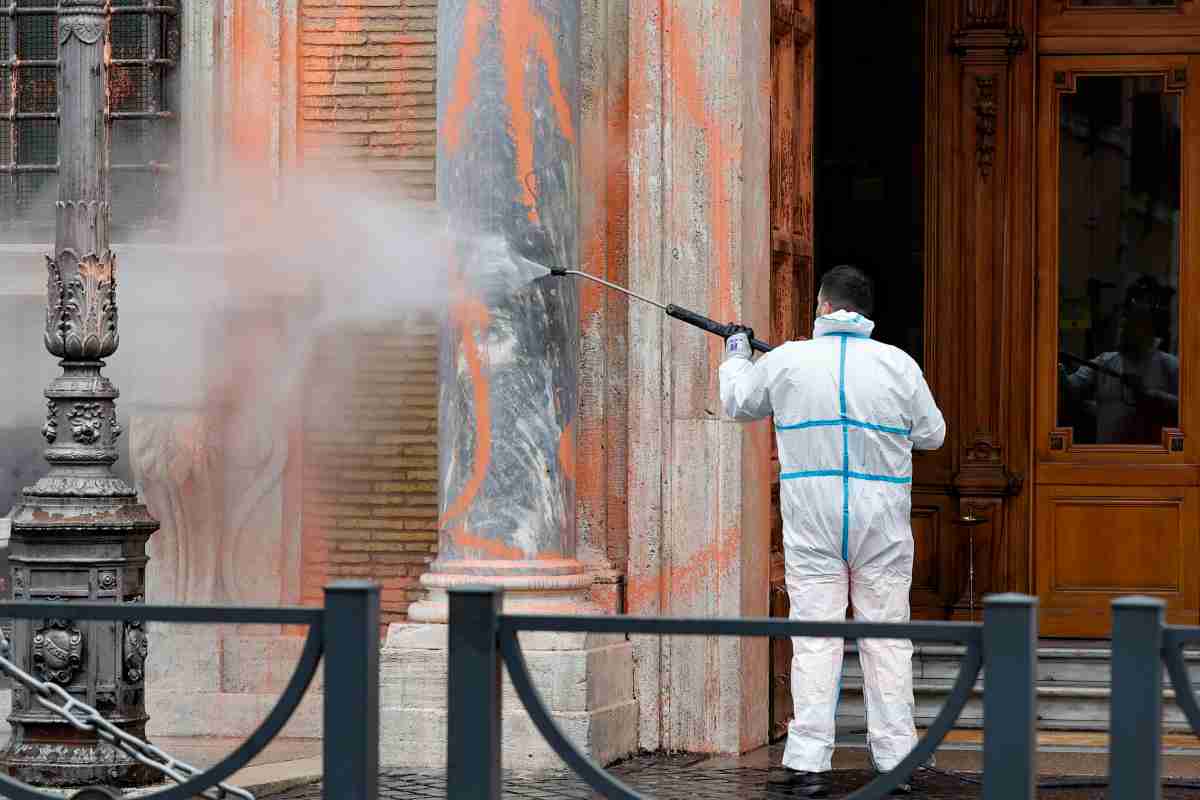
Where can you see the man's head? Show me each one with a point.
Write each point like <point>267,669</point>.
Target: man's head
<point>846,288</point>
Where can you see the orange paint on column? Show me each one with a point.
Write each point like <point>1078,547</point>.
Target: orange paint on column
<point>466,77</point>
<point>525,36</point>
<point>482,548</point>
<point>472,319</point>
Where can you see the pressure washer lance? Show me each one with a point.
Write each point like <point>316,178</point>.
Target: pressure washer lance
<point>672,310</point>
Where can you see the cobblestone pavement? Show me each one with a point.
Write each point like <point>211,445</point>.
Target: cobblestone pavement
<point>671,780</point>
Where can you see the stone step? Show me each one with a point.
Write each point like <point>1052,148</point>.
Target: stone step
<point>1073,688</point>
<point>1070,666</point>
<point>1067,708</point>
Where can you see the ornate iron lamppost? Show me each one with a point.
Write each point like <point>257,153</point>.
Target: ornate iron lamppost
<point>79,533</point>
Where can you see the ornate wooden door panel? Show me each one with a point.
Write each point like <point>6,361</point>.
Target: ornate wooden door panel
<point>791,260</point>
<point>1116,472</point>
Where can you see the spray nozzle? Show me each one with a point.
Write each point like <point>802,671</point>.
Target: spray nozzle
<point>559,271</point>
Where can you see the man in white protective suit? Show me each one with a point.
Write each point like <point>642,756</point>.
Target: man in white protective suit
<point>848,412</point>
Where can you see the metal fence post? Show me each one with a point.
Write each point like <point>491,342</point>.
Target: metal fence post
<point>351,741</point>
<point>473,688</point>
<point>1009,696</point>
<point>1135,761</point>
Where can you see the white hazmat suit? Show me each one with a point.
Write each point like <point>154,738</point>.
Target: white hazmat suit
<point>848,412</point>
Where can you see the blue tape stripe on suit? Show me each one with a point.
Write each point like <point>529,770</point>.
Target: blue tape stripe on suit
<point>845,456</point>
<point>837,473</point>
<point>853,423</point>
<point>845,474</point>
<point>811,473</point>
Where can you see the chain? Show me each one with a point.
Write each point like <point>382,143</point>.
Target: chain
<point>85,718</point>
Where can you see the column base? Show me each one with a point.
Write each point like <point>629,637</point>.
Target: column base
<point>550,586</point>
<point>585,680</point>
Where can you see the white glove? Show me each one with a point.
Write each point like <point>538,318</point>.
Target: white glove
<point>738,346</point>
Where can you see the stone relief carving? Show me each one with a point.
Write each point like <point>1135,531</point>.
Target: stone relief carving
<point>214,476</point>
<point>256,454</point>
<point>176,466</point>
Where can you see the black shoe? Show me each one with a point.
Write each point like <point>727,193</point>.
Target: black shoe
<point>801,784</point>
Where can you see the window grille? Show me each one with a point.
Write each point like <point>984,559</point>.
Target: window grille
<point>144,38</point>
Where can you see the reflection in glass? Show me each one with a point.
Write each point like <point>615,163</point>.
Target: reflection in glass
<point>1120,170</point>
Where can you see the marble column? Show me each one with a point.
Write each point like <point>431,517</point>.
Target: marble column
<point>508,161</point>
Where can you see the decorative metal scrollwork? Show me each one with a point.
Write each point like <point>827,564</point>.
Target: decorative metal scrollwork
<point>50,429</point>
<point>137,649</point>
<point>88,30</point>
<point>57,651</point>
<point>81,312</point>
<point>86,422</point>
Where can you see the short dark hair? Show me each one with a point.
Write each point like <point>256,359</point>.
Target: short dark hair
<point>848,288</point>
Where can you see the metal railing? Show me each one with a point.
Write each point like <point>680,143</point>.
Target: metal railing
<point>481,637</point>
<point>345,632</point>
<point>1142,643</point>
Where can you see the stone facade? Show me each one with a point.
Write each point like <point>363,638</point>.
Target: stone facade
<point>344,483</point>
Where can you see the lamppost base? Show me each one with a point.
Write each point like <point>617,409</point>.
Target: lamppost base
<point>86,543</point>
<point>57,764</point>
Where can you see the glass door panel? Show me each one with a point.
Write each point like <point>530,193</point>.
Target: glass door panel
<point>1116,471</point>
<point>1119,245</point>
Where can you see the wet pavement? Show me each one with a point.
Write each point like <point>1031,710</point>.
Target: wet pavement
<point>685,779</point>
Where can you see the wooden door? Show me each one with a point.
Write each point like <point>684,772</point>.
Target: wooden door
<point>792,289</point>
<point>1117,481</point>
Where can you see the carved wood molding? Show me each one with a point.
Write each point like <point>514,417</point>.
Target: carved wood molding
<point>985,13</point>
<point>985,35</point>
<point>983,472</point>
<point>986,112</point>
<point>988,45</point>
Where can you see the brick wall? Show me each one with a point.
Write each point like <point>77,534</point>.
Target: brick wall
<point>370,460</point>
<point>367,103</point>
<point>367,87</point>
